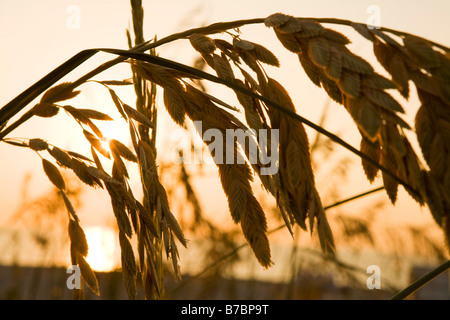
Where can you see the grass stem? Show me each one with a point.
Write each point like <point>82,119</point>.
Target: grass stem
<point>416,285</point>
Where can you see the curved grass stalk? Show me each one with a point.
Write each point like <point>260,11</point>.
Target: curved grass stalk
<point>204,75</point>
<point>20,102</point>
<point>422,281</point>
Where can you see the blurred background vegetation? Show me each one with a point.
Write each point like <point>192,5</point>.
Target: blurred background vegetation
<point>218,264</point>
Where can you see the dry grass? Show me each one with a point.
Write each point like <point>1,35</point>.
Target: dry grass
<point>239,64</point>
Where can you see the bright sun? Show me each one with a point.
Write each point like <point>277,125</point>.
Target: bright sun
<point>102,248</point>
<point>114,131</point>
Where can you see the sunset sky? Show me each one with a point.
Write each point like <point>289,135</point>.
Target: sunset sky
<point>37,36</point>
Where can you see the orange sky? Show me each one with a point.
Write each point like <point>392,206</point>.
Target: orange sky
<point>35,39</point>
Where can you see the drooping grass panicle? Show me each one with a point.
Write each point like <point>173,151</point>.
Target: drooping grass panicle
<point>427,65</point>
<point>350,80</point>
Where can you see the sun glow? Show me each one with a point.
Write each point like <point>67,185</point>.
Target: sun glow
<point>105,144</point>
<point>112,131</point>
<point>102,255</point>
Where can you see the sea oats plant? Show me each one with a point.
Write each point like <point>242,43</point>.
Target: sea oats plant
<point>238,64</point>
